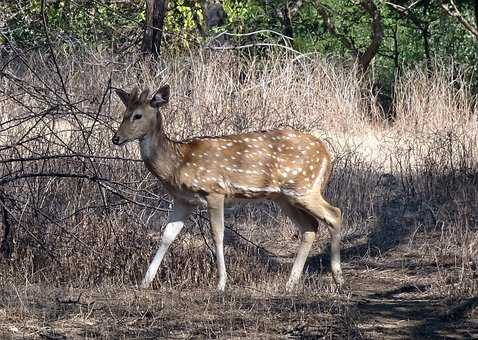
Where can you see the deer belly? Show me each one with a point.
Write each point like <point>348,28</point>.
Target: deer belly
<point>192,198</point>
<point>240,190</point>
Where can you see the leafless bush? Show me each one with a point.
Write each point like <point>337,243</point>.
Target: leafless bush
<point>79,211</point>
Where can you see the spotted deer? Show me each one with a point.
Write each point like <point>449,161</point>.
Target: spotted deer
<point>287,166</point>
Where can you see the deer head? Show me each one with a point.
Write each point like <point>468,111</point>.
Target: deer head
<point>141,116</point>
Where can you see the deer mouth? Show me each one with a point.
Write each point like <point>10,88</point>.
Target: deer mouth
<point>116,140</point>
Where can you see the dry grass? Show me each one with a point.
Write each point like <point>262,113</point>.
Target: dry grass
<point>407,188</point>
<point>114,312</point>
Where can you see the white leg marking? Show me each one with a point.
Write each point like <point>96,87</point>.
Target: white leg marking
<point>174,226</point>
<point>221,265</point>
<point>304,249</point>
<point>216,215</point>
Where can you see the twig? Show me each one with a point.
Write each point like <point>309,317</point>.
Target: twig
<point>52,52</point>
<point>100,181</point>
<point>33,236</point>
<point>103,98</point>
<point>285,39</point>
<point>224,48</point>
<point>243,238</point>
<point>455,12</point>
<point>75,155</point>
<point>85,136</point>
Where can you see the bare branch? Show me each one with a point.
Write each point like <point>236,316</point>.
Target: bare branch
<point>330,26</point>
<point>452,10</point>
<point>377,33</point>
<point>76,155</point>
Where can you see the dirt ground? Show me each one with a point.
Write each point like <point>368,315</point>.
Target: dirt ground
<point>387,297</point>
<point>394,302</point>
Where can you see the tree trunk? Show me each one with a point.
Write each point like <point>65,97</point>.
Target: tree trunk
<point>426,36</point>
<point>153,31</point>
<point>286,19</point>
<point>396,50</point>
<point>214,16</point>
<point>365,58</point>
<point>6,247</point>
<point>286,14</point>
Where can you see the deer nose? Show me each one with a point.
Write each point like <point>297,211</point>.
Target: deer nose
<point>115,140</point>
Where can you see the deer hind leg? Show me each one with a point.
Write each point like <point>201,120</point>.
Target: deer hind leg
<point>175,224</point>
<point>307,225</point>
<point>216,216</point>
<point>316,205</point>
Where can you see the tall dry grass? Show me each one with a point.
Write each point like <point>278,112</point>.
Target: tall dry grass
<point>412,182</point>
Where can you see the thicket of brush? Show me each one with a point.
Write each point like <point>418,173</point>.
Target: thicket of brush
<point>76,210</point>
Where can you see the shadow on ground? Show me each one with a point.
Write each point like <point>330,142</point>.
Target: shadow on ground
<point>403,312</point>
<point>131,314</point>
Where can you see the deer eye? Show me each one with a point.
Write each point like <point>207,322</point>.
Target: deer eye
<point>137,116</point>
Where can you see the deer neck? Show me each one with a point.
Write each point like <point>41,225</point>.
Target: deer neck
<point>160,154</point>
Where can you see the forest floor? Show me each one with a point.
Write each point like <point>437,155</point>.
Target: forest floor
<point>393,301</point>
<point>388,297</point>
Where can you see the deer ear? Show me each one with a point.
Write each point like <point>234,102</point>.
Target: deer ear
<point>143,97</point>
<point>123,95</point>
<point>161,97</point>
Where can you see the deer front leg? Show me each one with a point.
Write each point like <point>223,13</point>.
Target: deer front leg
<point>216,215</point>
<point>175,224</point>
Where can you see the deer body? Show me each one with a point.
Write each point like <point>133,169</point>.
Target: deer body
<point>287,166</point>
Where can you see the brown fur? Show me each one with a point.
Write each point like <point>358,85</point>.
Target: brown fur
<point>288,166</point>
